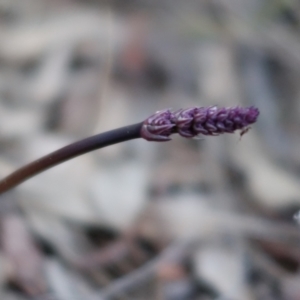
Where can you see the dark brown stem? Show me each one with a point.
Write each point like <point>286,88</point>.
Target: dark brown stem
<point>78,148</point>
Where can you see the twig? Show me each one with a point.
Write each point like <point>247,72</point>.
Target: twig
<point>176,251</point>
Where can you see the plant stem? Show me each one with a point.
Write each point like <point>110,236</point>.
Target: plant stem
<point>68,152</point>
<point>187,122</point>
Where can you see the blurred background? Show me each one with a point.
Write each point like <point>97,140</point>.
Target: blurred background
<point>214,218</point>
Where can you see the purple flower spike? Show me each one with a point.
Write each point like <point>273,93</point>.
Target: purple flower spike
<point>158,127</point>
<point>195,121</point>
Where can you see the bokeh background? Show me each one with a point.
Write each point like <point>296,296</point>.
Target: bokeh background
<point>214,218</point>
